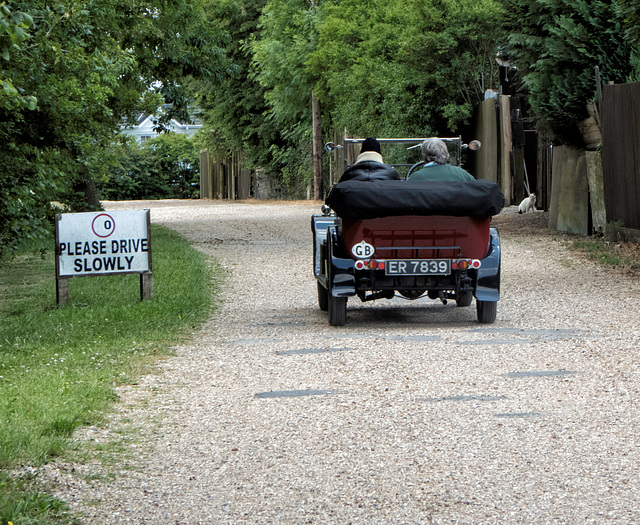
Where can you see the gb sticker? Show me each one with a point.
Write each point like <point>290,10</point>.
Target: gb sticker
<point>362,250</point>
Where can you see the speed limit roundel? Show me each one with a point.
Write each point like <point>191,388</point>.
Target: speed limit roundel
<point>103,225</point>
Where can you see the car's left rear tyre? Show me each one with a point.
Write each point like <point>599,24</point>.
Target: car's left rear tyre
<point>323,297</point>
<point>337,310</point>
<point>487,311</point>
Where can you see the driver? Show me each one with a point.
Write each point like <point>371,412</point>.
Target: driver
<point>436,155</point>
<point>369,165</point>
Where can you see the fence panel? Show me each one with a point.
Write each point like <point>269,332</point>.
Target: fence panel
<point>487,158</point>
<point>205,176</point>
<point>224,177</point>
<point>621,153</point>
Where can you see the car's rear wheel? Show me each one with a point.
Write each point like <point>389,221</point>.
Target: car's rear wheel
<point>337,310</point>
<point>323,299</point>
<point>487,311</point>
<point>464,298</point>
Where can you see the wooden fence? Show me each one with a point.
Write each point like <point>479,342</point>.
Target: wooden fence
<point>511,156</point>
<point>621,153</point>
<point>517,159</point>
<point>224,177</point>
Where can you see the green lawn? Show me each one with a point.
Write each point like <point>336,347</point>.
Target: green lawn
<point>59,365</point>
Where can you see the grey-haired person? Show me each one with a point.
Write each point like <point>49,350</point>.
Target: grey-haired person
<point>436,157</point>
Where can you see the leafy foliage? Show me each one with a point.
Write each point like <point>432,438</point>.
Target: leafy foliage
<point>88,64</point>
<point>71,71</point>
<point>378,67</point>
<point>164,167</point>
<point>13,27</point>
<point>404,68</point>
<point>280,54</point>
<point>556,46</point>
<point>234,106</point>
<point>629,13</point>
<point>262,112</point>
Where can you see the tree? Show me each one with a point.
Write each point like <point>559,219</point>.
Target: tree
<point>237,112</point>
<point>378,67</point>
<point>556,46</point>
<point>233,104</point>
<point>280,53</point>
<point>629,13</point>
<point>88,64</point>
<point>361,79</point>
<point>404,67</point>
<point>13,32</point>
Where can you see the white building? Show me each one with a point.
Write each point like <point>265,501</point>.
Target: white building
<point>143,130</point>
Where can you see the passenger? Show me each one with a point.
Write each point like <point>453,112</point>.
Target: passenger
<point>369,165</point>
<point>435,155</point>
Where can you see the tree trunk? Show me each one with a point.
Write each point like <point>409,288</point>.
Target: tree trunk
<point>89,201</point>
<point>317,147</point>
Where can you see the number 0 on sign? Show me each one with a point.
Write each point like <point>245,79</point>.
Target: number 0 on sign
<point>103,225</point>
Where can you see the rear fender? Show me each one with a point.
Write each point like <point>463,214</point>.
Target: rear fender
<point>341,271</point>
<point>319,225</point>
<point>488,281</point>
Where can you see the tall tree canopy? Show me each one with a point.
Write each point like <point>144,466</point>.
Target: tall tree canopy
<point>629,12</point>
<point>79,68</point>
<point>379,67</point>
<point>556,45</point>
<point>70,71</point>
<point>237,106</point>
<point>13,32</point>
<point>405,67</point>
<point>280,52</point>
<point>235,111</point>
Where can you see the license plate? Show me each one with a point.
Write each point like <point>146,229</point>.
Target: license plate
<point>418,267</point>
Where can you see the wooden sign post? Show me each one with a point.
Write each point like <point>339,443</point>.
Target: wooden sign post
<point>103,243</point>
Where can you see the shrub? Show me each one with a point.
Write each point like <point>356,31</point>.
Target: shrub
<point>164,167</point>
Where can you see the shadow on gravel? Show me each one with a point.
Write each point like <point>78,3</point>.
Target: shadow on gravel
<point>427,313</point>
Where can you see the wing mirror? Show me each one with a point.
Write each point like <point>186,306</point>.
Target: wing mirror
<point>474,145</point>
<point>330,146</point>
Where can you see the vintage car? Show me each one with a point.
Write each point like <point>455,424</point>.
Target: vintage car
<point>413,239</point>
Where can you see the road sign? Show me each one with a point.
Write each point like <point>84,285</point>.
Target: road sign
<point>102,243</point>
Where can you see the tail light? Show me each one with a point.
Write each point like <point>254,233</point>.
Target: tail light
<point>372,264</point>
<point>465,264</point>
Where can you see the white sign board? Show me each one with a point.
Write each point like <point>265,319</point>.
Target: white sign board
<point>99,243</point>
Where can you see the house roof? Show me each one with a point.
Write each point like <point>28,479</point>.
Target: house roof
<point>142,117</point>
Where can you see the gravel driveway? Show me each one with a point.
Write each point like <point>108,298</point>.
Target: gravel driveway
<point>411,413</point>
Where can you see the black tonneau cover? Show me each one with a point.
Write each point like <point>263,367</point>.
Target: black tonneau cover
<point>355,199</point>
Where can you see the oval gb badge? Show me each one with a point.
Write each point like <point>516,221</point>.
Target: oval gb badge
<point>363,250</point>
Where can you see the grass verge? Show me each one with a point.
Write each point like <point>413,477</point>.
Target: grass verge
<point>59,366</point>
<point>623,256</point>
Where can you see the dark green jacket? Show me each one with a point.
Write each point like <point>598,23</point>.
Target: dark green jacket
<point>441,172</point>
